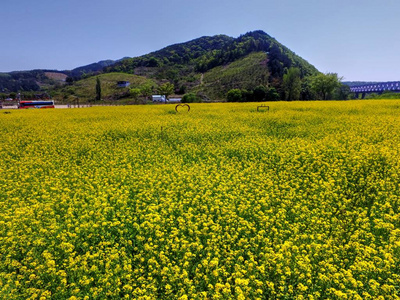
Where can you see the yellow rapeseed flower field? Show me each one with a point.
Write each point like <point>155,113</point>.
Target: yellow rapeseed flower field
<point>222,202</point>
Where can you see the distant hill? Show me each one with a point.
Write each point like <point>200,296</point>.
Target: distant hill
<point>39,80</point>
<point>35,80</point>
<point>92,69</point>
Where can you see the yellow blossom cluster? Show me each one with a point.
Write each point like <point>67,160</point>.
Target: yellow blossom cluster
<point>222,202</point>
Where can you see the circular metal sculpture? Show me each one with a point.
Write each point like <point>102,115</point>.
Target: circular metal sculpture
<point>182,105</point>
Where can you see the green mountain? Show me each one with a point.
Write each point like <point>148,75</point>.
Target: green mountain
<point>213,65</point>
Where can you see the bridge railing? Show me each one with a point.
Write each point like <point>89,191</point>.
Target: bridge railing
<point>376,87</point>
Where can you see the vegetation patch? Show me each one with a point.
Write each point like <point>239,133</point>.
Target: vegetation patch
<point>85,89</point>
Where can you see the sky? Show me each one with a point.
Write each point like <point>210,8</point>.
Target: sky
<point>357,39</point>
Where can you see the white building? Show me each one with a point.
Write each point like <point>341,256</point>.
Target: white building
<point>174,100</point>
<point>159,98</point>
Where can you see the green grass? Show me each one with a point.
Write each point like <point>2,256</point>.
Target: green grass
<point>386,95</point>
<point>246,73</point>
<point>85,89</point>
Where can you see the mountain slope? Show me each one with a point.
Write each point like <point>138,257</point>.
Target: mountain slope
<point>245,73</point>
<point>183,64</point>
<point>84,89</point>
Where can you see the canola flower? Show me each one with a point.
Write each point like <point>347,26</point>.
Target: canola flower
<point>223,202</point>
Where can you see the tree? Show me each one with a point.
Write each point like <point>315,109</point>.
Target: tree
<point>247,96</point>
<point>306,90</point>
<point>166,89</point>
<point>292,84</point>
<point>69,80</point>
<point>234,95</point>
<point>190,98</point>
<point>272,94</point>
<point>343,92</point>
<point>135,93</point>
<point>98,89</point>
<point>324,84</point>
<point>260,93</point>
<point>152,62</point>
<point>146,90</point>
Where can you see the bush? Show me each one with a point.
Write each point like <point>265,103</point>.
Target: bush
<point>234,95</point>
<point>190,98</point>
<point>272,95</point>
<point>247,96</point>
<point>260,93</point>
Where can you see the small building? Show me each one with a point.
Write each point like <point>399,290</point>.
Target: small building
<point>123,84</point>
<point>174,100</point>
<point>159,98</point>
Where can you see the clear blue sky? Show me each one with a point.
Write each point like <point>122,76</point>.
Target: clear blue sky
<point>358,39</point>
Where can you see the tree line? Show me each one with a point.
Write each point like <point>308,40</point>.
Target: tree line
<point>323,86</point>
<point>294,86</point>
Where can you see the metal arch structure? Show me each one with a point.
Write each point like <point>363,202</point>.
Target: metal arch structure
<point>182,105</point>
<point>377,87</point>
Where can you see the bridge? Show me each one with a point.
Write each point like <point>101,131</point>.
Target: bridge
<point>376,87</point>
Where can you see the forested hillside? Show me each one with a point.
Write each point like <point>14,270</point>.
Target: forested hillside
<point>182,64</point>
<point>207,67</point>
<point>22,81</point>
